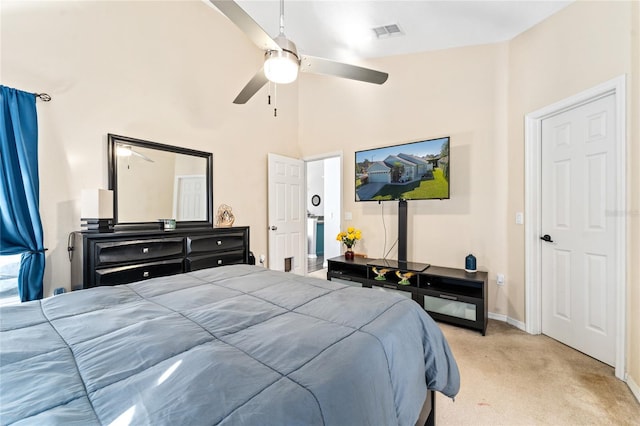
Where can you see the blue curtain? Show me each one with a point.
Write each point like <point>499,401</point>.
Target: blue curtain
<point>20,225</point>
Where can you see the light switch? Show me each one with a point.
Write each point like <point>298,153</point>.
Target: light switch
<point>519,218</point>
<point>348,216</point>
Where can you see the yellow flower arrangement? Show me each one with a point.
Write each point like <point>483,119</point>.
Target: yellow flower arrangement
<point>350,237</point>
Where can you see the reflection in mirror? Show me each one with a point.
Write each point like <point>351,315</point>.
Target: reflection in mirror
<point>153,181</point>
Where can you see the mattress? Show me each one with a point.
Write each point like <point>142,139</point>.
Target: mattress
<point>232,345</point>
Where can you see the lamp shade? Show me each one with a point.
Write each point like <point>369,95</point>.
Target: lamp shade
<point>96,204</point>
<point>281,67</point>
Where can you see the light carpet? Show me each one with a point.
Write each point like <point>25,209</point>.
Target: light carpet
<point>510,377</point>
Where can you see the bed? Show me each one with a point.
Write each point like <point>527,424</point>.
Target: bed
<point>230,345</point>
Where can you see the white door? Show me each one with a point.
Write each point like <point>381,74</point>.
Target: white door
<point>190,199</point>
<point>579,228</point>
<point>287,237</point>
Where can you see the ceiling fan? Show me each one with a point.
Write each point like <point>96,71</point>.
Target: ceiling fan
<point>281,59</point>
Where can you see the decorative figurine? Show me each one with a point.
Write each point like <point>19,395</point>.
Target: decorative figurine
<point>380,274</point>
<point>224,217</point>
<point>404,278</point>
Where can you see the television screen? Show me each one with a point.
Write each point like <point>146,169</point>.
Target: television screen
<point>410,171</point>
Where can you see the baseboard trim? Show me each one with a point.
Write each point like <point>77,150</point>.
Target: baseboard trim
<point>635,389</point>
<point>508,320</point>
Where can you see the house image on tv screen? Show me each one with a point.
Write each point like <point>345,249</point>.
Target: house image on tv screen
<point>414,171</point>
<point>399,169</point>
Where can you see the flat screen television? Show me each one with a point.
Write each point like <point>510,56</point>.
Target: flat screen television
<point>409,171</point>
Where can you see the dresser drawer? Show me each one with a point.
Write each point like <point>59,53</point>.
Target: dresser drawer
<point>132,273</point>
<point>213,260</point>
<point>215,243</point>
<point>137,250</point>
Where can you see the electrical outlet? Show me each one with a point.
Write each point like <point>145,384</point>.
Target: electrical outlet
<point>262,259</point>
<point>500,279</point>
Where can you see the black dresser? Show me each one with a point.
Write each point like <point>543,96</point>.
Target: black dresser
<point>123,257</point>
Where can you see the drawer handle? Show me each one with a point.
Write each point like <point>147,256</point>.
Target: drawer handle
<point>444,296</point>
<point>219,261</point>
<point>219,242</point>
<point>145,250</point>
<point>145,274</point>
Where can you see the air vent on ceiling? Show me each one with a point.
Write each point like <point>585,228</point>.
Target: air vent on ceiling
<point>390,30</point>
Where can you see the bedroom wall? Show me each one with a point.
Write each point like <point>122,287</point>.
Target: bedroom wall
<point>456,92</point>
<point>161,71</point>
<point>479,96</point>
<point>579,58</point>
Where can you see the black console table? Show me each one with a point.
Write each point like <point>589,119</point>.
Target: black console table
<point>123,257</point>
<point>447,294</point>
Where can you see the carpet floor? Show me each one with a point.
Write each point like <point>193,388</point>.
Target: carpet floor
<point>509,377</point>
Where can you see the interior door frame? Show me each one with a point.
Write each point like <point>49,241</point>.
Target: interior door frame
<point>533,190</point>
<point>317,157</point>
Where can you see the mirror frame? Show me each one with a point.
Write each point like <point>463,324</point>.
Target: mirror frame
<point>113,181</point>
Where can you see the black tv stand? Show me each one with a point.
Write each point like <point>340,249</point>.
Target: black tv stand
<point>448,294</point>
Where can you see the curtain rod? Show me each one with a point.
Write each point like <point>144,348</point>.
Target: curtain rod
<point>43,96</point>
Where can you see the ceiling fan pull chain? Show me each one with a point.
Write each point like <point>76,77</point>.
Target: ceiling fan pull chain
<point>275,100</point>
<point>269,94</point>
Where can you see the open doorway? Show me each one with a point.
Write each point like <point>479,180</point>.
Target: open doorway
<point>323,206</point>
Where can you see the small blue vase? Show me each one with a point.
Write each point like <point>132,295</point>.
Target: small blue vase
<point>470,263</point>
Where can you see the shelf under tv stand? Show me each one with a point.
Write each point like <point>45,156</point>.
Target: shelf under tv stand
<point>449,295</point>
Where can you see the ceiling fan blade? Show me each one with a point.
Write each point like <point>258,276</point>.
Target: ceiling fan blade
<point>251,88</point>
<point>316,65</point>
<point>246,24</point>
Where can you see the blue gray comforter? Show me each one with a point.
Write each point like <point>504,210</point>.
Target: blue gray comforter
<point>230,345</point>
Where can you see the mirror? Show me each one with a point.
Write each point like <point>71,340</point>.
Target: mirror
<point>153,181</point>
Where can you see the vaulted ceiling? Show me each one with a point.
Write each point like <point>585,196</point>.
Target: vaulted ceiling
<point>344,30</point>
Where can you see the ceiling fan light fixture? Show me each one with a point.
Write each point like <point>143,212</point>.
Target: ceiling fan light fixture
<point>281,67</point>
<point>123,151</point>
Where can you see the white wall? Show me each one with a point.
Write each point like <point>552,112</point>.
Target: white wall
<point>459,93</point>
<point>315,186</point>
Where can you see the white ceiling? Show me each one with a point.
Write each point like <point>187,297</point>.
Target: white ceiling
<point>343,30</point>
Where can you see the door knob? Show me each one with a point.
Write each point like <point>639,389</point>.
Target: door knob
<point>274,228</point>
<point>547,238</point>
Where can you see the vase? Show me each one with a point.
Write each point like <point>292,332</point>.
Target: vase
<point>348,255</point>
